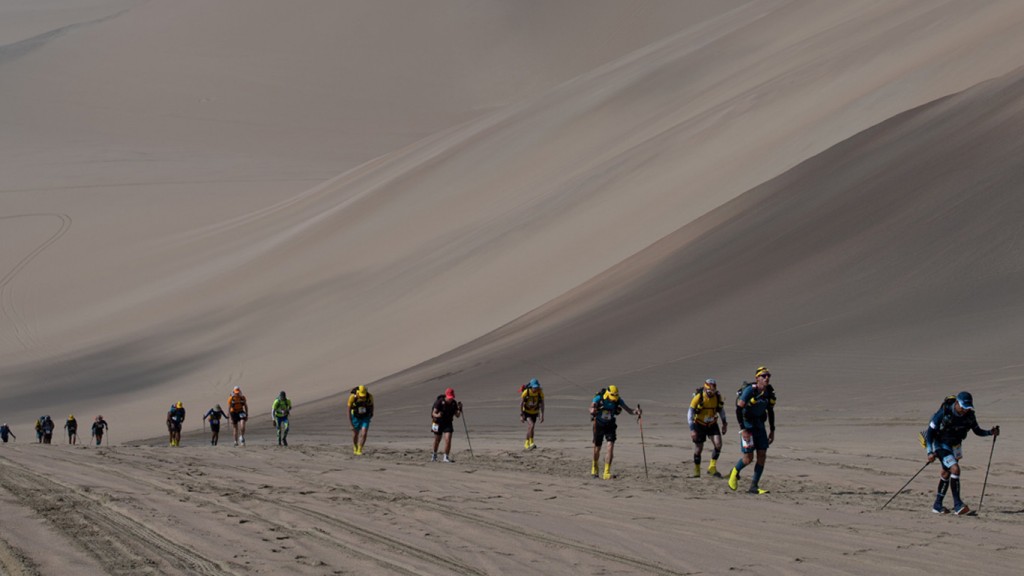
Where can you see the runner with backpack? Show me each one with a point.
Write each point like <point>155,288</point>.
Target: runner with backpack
<point>214,415</point>
<point>605,406</point>
<point>279,411</point>
<point>99,427</point>
<point>531,405</point>
<point>72,429</point>
<point>238,409</point>
<point>755,405</point>
<point>47,427</point>
<point>360,412</point>
<point>175,418</point>
<point>443,415</point>
<point>706,408</point>
<point>6,431</point>
<point>946,432</point>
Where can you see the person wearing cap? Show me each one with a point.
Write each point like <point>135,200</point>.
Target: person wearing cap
<point>531,405</point>
<point>706,408</point>
<point>360,412</point>
<point>6,431</point>
<point>603,408</point>
<point>754,405</point>
<point>946,432</point>
<point>175,418</point>
<point>444,413</point>
<point>214,415</point>
<point>72,429</point>
<point>279,411</point>
<point>238,410</point>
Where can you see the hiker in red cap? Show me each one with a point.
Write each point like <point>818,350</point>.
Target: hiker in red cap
<point>445,411</point>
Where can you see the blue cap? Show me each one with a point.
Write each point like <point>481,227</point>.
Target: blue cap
<point>965,400</point>
<point>534,383</point>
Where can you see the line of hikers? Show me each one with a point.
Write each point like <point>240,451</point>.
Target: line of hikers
<point>706,418</point>
<point>45,427</point>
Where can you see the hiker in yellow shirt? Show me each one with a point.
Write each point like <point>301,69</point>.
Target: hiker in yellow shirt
<point>531,406</point>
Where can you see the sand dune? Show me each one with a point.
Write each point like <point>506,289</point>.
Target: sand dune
<point>420,195</point>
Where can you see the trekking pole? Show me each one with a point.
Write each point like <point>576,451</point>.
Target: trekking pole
<point>905,485</point>
<point>643,447</point>
<point>985,483</point>
<point>466,426</point>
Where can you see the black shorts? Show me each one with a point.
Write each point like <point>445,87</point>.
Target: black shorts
<point>238,416</point>
<point>604,431</point>
<point>174,426</point>
<point>703,432</point>
<point>439,428</point>
<point>214,426</point>
<point>531,417</point>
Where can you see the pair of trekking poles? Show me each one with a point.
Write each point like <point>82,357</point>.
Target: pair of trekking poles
<point>984,484</point>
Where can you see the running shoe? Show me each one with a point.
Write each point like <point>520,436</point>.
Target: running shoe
<point>734,479</point>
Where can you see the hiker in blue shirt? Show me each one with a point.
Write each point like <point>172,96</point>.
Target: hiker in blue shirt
<point>755,406</point>
<point>946,432</point>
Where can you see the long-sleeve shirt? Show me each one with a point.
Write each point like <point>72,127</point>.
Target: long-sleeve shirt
<point>949,428</point>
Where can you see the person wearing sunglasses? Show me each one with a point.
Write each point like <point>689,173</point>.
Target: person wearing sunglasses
<point>754,407</point>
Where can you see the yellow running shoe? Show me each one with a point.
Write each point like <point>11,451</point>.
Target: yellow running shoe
<point>734,479</point>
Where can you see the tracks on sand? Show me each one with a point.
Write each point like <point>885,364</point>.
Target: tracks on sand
<point>15,562</point>
<point>120,544</point>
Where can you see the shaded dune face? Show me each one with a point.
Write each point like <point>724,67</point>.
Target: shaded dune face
<point>888,262</point>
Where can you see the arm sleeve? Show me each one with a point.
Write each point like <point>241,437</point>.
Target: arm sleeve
<point>929,434</point>
<point>978,430</point>
<point>740,420</point>
<point>721,413</point>
<point>771,417</point>
<point>689,417</point>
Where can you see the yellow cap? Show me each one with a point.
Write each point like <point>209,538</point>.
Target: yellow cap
<point>761,370</point>
<point>179,405</point>
<point>613,392</point>
<point>361,391</point>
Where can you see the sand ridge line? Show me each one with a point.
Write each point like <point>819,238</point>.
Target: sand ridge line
<point>120,544</point>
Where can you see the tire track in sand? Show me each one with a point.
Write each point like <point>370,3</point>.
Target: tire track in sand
<point>121,545</point>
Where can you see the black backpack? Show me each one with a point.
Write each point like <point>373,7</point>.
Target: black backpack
<point>700,392</point>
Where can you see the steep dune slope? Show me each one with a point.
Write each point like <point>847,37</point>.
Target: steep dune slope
<point>884,272</point>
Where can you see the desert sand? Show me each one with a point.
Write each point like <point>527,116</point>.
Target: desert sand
<point>414,195</point>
